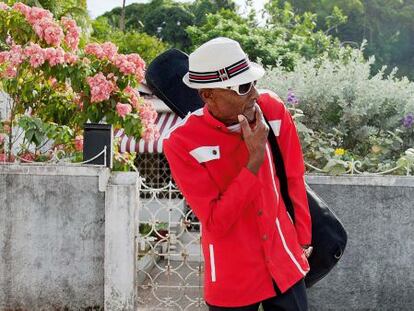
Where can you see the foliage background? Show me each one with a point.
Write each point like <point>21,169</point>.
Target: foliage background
<point>343,62</point>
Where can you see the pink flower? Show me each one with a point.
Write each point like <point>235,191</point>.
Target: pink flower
<point>139,65</point>
<point>49,31</point>
<point>78,143</point>
<point>5,158</point>
<point>123,109</point>
<point>4,57</point>
<point>94,49</point>
<point>70,58</point>
<point>16,55</point>
<point>27,157</point>
<point>101,88</point>
<point>22,8</point>
<point>55,56</point>
<point>10,72</point>
<point>4,6</point>
<point>134,97</point>
<point>131,64</point>
<point>137,60</point>
<point>68,23</point>
<point>101,51</point>
<point>139,74</point>
<point>52,82</point>
<point>124,66</point>
<point>110,50</point>
<point>36,14</point>
<point>150,132</point>
<point>147,113</point>
<point>35,54</point>
<point>42,22</point>
<point>53,34</point>
<point>72,33</point>
<point>78,101</point>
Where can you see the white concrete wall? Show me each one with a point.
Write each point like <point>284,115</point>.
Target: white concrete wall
<point>67,238</point>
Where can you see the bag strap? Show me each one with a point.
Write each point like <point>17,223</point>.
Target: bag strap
<point>280,170</point>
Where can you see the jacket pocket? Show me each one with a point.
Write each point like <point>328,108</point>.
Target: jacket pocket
<point>206,153</point>
<point>212,263</point>
<point>288,251</point>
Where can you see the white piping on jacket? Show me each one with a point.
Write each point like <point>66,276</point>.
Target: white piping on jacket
<point>198,112</point>
<point>288,250</point>
<point>272,172</point>
<point>212,263</point>
<point>277,220</point>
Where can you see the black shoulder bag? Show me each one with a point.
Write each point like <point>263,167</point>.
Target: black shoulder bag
<point>328,234</point>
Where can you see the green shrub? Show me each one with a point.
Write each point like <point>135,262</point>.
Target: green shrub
<point>370,117</point>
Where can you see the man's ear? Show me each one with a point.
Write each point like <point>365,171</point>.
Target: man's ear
<point>205,94</point>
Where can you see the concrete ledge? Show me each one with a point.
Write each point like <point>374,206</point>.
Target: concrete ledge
<point>124,178</point>
<point>362,180</point>
<point>52,169</point>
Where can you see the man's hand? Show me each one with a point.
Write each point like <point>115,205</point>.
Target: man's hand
<point>307,250</point>
<point>255,139</point>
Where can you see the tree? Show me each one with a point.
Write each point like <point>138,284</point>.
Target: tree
<point>163,19</point>
<point>201,8</point>
<point>148,47</point>
<point>168,22</point>
<point>122,21</point>
<point>284,38</point>
<point>386,25</point>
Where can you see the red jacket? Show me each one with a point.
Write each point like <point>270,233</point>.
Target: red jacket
<point>248,238</point>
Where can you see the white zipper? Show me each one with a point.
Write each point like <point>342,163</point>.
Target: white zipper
<point>277,220</point>
<point>287,249</point>
<point>212,263</point>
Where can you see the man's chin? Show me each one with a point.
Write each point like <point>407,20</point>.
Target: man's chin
<point>251,117</point>
<point>250,114</point>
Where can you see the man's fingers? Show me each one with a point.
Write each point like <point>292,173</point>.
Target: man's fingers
<point>244,124</point>
<point>260,121</point>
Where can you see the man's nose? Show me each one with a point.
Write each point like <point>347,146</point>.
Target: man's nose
<point>254,93</point>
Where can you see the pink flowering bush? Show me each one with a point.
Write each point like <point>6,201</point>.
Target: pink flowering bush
<point>123,109</point>
<point>101,88</point>
<point>43,68</point>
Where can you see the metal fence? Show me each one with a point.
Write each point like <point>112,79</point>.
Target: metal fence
<point>170,262</point>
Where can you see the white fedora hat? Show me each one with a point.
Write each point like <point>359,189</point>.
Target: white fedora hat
<point>220,63</point>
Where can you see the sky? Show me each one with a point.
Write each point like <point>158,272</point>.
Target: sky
<point>98,7</point>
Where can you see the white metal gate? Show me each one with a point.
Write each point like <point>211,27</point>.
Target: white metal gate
<point>170,261</point>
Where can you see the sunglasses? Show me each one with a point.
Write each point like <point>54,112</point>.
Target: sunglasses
<point>242,89</point>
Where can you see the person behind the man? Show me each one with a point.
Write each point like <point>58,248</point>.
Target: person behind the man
<point>222,163</point>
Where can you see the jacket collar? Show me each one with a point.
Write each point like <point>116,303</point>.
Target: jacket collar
<point>212,121</point>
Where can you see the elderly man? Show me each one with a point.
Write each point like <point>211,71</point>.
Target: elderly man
<point>221,160</point>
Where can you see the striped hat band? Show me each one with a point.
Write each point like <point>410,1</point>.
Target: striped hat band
<point>221,74</point>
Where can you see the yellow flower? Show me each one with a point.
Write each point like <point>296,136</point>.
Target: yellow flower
<point>339,151</point>
<point>376,149</point>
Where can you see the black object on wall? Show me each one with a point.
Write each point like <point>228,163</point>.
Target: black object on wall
<point>95,138</point>
<point>164,78</point>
